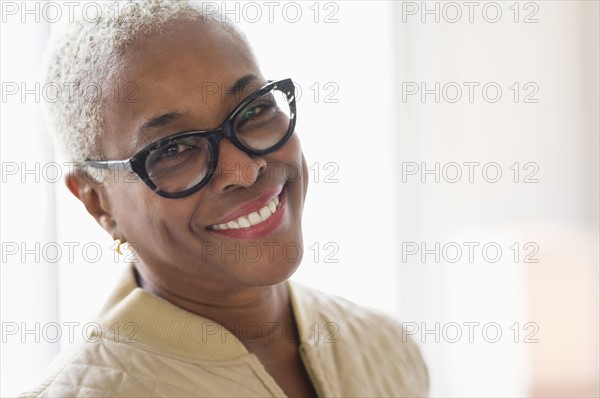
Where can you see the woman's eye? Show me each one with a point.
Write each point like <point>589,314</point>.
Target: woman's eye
<point>256,111</point>
<point>174,155</point>
<point>253,112</point>
<point>173,150</point>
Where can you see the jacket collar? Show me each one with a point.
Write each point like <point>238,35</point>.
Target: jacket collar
<point>136,316</point>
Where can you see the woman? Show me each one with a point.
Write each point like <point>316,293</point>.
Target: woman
<point>189,154</point>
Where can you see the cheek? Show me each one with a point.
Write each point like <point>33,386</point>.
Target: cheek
<point>305,174</point>
<point>140,213</point>
<point>292,159</point>
<point>132,206</point>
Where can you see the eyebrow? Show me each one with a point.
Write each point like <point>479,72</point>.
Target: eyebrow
<point>241,84</point>
<point>166,118</point>
<point>160,120</point>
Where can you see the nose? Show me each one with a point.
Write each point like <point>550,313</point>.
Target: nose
<point>235,168</point>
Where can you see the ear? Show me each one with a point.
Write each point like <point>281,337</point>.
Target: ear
<point>94,197</point>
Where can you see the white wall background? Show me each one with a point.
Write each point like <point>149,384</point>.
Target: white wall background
<point>558,133</point>
<point>361,59</point>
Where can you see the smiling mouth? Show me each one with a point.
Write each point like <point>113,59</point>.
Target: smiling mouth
<point>251,219</point>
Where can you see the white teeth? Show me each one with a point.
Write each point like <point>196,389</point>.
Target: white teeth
<point>256,217</point>
<point>233,225</point>
<point>265,212</point>
<point>243,222</point>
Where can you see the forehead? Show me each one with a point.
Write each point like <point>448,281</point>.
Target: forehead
<point>187,68</point>
<point>208,46</point>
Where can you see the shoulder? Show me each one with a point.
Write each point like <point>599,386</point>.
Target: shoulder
<point>53,372</point>
<point>322,306</point>
<point>98,366</point>
<point>337,308</point>
<point>364,337</point>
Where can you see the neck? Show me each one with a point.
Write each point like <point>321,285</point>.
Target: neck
<point>253,314</point>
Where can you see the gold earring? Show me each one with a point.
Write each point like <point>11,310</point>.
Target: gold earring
<point>118,248</point>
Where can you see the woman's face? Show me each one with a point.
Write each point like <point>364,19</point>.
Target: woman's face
<point>189,74</point>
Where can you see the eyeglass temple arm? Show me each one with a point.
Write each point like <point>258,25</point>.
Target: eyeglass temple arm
<point>109,164</point>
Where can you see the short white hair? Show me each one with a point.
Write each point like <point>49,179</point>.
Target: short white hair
<point>81,56</point>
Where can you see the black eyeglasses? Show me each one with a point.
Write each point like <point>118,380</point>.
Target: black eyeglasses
<point>181,164</point>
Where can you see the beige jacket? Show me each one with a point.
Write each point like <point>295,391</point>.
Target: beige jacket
<point>148,347</point>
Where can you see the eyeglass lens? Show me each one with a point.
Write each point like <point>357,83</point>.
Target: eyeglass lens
<point>183,163</point>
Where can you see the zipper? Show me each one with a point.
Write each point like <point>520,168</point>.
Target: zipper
<point>309,371</point>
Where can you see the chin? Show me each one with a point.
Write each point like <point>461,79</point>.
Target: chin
<point>265,273</point>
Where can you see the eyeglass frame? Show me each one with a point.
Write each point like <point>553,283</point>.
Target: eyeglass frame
<point>137,163</point>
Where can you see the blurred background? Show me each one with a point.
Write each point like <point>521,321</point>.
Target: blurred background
<point>453,156</point>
